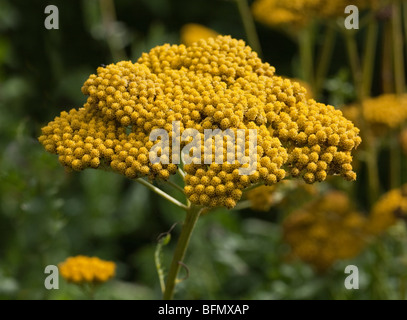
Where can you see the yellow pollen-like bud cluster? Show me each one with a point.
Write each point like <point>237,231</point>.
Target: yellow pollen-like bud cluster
<point>83,269</point>
<point>326,230</point>
<point>218,84</point>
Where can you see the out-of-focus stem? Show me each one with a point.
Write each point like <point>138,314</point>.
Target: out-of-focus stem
<point>387,60</point>
<point>324,59</point>
<point>305,42</point>
<point>400,82</point>
<point>371,151</point>
<point>354,62</point>
<point>108,13</point>
<point>398,54</point>
<point>395,163</point>
<point>249,26</point>
<point>372,171</point>
<point>404,5</point>
<point>369,57</point>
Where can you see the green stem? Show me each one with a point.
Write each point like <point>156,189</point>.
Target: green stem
<point>249,26</point>
<point>404,4</point>
<point>400,82</point>
<point>324,59</point>
<point>371,160</point>
<point>243,205</point>
<point>305,42</point>
<point>253,186</point>
<point>175,186</point>
<point>372,171</point>
<point>181,172</point>
<point>395,164</point>
<point>158,265</point>
<point>387,60</point>
<point>89,290</point>
<point>369,57</point>
<point>398,53</point>
<point>161,193</point>
<point>354,61</point>
<point>190,221</point>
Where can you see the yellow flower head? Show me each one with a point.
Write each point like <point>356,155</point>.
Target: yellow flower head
<point>384,111</point>
<point>325,231</point>
<point>309,94</point>
<point>83,269</point>
<point>193,32</point>
<point>218,84</point>
<point>390,207</point>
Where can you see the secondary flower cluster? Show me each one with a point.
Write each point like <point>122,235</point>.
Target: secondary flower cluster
<point>384,111</point>
<point>213,84</point>
<point>261,198</point>
<point>325,231</point>
<point>390,207</point>
<point>193,32</point>
<point>83,269</point>
<point>298,13</point>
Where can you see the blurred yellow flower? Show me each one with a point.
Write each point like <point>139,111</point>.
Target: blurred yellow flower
<point>83,269</point>
<point>261,198</point>
<point>387,111</point>
<point>193,32</point>
<point>391,206</point>
<point>325,230</point>
<point>277,12</point>
<point>298,13</point>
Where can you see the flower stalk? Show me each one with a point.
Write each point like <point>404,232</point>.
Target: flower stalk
<point>191,218</point>
<point>362,79</point>
<point>354,61</point>
<point>306,42</point>
<point>400,82</point>
<point>108,14</point>
<point>249,26</point>
<point>398,54</point>
<point>161,193</point>
<point>325,58</point>
<point>369,56</point>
